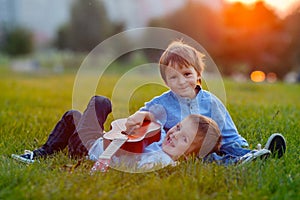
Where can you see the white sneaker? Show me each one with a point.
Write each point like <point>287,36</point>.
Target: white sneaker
<point>27,157</point>
<point>262,153</point>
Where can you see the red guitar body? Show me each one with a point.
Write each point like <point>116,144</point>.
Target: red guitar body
<point>148,133</point>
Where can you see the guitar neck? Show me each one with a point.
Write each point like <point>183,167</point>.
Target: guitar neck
<point>112,148</point>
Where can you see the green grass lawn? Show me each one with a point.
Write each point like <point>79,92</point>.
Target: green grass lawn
<point>30,105</point>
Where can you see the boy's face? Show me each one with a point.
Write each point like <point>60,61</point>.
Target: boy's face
<point>179,138</point>
<point>182,80</point>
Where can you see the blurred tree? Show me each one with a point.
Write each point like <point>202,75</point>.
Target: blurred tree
<point>197,21</point>
<point>17,42</point>
<point>293,29</point>
<point>62,38</point>
<point>89,25</point>
<point>240,38</point>
<point>255,37</point>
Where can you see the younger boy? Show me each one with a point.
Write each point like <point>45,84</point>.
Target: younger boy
<point>195,135</point>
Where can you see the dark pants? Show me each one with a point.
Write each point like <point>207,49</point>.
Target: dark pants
<point>77,131</point>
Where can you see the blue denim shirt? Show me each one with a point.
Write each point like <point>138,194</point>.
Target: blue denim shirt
<point>152,159</point>
<point>169,109</point>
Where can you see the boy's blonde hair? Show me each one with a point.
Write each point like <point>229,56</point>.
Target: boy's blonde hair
<point>208,137</point>
<point>183,55</point>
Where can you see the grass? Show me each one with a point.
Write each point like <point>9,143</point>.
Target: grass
<point>30,105</point>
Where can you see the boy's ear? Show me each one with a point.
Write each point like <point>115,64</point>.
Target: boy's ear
<point>199,78</point>
<point>199,81</point>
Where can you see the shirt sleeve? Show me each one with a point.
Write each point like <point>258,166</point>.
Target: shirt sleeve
<point>96,150</point>
<point>156,146</point>
<point>156,107</point>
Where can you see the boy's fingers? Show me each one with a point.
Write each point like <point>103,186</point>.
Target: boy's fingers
<point>132,129</point>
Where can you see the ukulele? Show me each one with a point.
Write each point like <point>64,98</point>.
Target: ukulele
<point>134,142</point>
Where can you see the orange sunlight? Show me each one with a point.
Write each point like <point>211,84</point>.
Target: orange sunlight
<point>258,76</point>
<point>281,6</point>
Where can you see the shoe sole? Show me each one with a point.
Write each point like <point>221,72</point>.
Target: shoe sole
<point>24,160</point>
<point>276,144</point>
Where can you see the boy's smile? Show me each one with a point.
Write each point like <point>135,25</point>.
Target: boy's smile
<point>179,138</point>
<point>182,80</point>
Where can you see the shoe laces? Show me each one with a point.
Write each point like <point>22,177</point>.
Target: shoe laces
<point>30,153</point>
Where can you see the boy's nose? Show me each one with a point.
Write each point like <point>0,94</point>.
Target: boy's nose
<point>181,79</point>
<point>174,135</point>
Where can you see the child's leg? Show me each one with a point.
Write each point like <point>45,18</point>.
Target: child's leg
<point>230,153</point>
<point>234,153</point>
<point>90,126</point>
<point>58,138</point>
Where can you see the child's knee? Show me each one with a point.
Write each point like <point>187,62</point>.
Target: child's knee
<point>102,102</point>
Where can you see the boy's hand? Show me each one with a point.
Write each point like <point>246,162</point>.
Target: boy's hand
<point>136,120</point>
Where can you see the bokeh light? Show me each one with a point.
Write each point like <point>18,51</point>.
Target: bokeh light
<point>258,76</point>
<point>271,77</point>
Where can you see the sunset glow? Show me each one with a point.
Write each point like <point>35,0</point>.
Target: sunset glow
<point>281,6</point>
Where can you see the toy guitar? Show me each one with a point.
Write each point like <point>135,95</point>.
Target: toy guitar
<point>117,139</point>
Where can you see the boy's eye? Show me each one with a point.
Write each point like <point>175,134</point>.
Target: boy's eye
<point>187,74</point>
<point>177,127</point>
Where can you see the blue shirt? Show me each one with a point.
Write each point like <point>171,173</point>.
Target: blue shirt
<point>133,162</point>
<point>169,109</point>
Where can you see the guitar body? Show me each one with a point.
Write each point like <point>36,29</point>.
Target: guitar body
<point>148,133</point>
